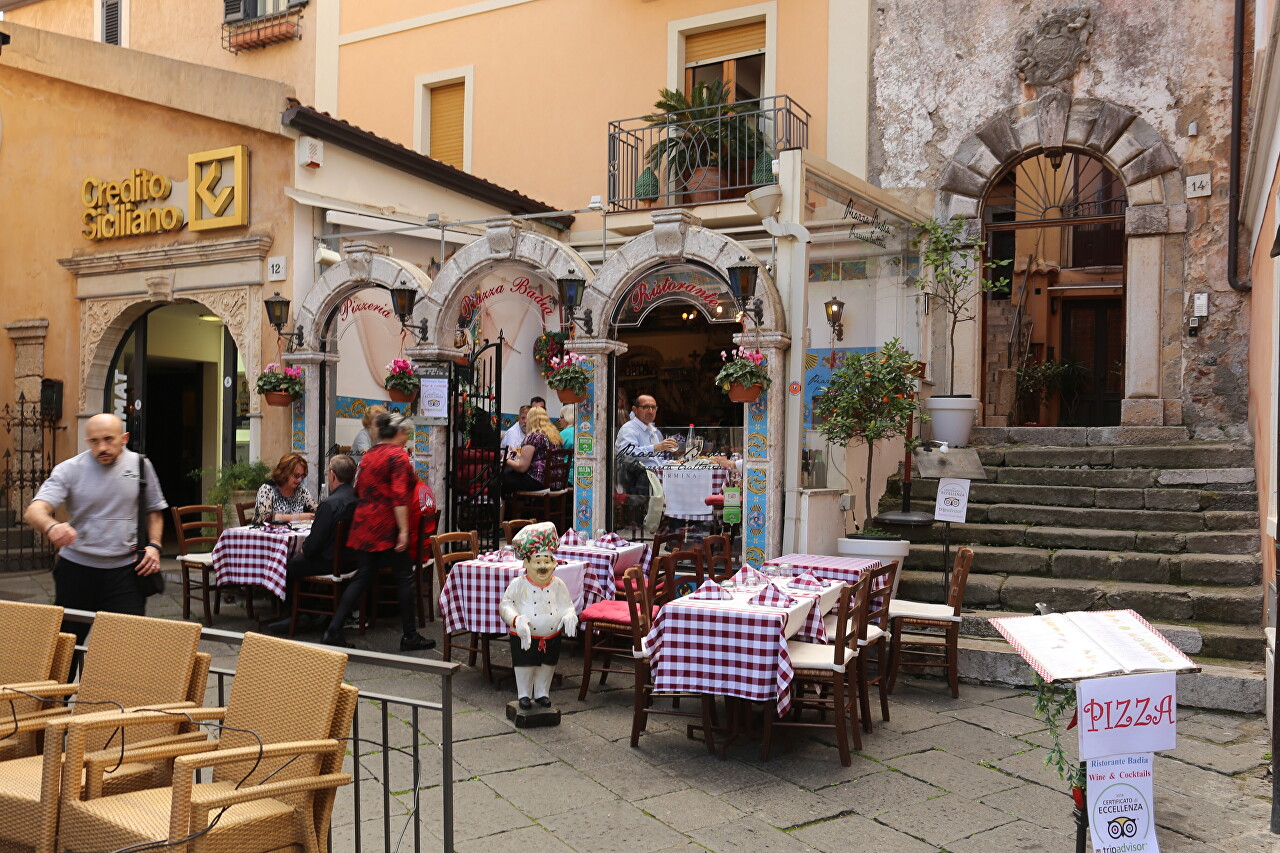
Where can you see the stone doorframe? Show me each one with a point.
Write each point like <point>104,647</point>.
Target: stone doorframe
<point>678,237</point>
<point>1155,224</point>
<point>363,265</point>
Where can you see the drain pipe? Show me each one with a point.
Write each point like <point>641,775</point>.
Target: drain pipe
<point>1233,180</point>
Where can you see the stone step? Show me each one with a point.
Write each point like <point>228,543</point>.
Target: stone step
<point>1080,436</point>
<point>1085,564</point>
<point>16,536</point>
<point>1219,686</point>
<point>1231,642</point>
<point>1177,499</point>
<point>1232,542</point>
<point>1201,455</point>
<point>1156,602</point>
<point>1092,517</point>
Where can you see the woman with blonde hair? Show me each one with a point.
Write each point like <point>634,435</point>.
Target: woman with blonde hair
<point>285,496</point>
<point>365,438</point>
<point>526,468</point>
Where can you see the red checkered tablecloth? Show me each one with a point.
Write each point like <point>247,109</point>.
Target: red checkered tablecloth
<point>248,555</point>
<point>473,590</point>
<point>597,584</point>
<point>843,569</point>
<point>726,651</point>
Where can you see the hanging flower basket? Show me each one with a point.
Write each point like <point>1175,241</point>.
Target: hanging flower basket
<point>280,385</point>
<point>568,395</point>
<point>744,375</point>
<point>400,382</point>
<point>278,398</point>
<point>398,396</point>
<point>740,393</point>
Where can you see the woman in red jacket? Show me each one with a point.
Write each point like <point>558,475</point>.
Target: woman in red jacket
<point>380,529</point>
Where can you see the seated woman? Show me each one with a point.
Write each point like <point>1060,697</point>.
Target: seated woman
<point>525,469</point>
<point>285,497</point>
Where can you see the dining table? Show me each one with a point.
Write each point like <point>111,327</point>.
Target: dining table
<point>258,556</point>
<point>473,590</point>
<point>606,562</point>
<point>843,569</point>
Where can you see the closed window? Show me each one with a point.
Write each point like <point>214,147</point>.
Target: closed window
<point>247,10</point>
<point>732,55</point>
<point>448,143</point>
<point>111,21</point>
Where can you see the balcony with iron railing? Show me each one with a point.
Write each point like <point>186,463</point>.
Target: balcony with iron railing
<point>701,155</point>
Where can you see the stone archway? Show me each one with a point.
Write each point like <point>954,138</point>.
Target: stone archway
<point>678,236</point>
<point>1155,223</point>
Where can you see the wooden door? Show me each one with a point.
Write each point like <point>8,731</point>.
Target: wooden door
<point>1093,334</point>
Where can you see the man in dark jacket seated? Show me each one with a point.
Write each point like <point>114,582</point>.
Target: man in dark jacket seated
<point>317,549</point>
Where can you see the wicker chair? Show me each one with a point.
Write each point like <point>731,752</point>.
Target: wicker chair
<point>131,660</point>
<point>277,796</point>
<point>32,651</point>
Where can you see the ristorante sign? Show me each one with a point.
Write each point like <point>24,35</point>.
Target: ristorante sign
<point>678,283</point>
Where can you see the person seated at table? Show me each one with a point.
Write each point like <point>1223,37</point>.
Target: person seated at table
<point>317,550</point>
<point>285,496</point>
<point>364,438</point>
<point>568,420</point>
<point>513,438</point>
<point>525,471</point>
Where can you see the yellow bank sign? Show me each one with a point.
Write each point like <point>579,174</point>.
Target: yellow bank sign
<point>140,203</point>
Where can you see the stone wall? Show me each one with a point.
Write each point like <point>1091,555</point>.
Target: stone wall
<point>942,70</point>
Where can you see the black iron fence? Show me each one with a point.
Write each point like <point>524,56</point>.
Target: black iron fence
<point>27,439</point>
<point>400,754</point>
<point>701,155</point>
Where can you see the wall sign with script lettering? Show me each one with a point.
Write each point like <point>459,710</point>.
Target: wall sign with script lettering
<point>678,283</point>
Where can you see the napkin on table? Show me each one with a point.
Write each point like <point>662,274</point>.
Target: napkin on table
<point>749,576</point>
<point>771,596</point>
<point>612,541</point>
<point>498,557</point>
<point>709,591</point>
<point>572,537</point>
<point>807,580</point>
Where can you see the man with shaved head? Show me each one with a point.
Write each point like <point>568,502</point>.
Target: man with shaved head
<point>99,556</point>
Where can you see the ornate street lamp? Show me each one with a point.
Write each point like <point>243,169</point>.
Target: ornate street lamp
<point>572,289</point>
<point>742,284</point>
<point>835,313</point>
<point>278,316</point>
<point>404,296</point>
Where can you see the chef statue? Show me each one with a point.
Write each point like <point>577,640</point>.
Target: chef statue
<point>537,607</point>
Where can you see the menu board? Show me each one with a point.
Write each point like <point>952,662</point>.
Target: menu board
<point>1071,646</point>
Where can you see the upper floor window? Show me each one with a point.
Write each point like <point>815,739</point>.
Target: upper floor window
<point>447,123</point>
<point>732,55</point>
<point>249,24</point>
<point>247,10</point>
<point>111,13</point>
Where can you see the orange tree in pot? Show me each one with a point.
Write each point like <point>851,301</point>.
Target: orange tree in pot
<point>280,385</point>
<point>871,396</point>
<point>744,375</point>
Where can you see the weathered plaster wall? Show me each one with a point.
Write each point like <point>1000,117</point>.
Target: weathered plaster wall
<point>934,86</point>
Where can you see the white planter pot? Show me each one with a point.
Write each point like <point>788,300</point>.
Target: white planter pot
<point>884,550</point>
<point>951,418</point>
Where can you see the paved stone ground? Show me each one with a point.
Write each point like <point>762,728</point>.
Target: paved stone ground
<point>962,775</point>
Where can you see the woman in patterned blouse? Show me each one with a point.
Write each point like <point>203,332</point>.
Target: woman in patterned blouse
<point>285,497</point>
<point>526,468</point>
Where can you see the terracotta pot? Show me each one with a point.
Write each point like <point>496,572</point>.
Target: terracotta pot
<point>567,395</point>
<point>400,396</point>
<point>740,393</point>
<point>278,398</point>
<point>703,185</point>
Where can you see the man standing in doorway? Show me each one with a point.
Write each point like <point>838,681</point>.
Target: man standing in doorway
<point>99,561</point>
<point>637,447</point>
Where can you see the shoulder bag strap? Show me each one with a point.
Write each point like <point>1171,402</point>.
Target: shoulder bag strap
<point>142,503</point>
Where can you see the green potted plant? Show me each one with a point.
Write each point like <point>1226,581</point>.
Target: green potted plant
<point>957,276</point>
<point>280,385</point>
<point>1037,380</point>
<point>870,397</point>
<point>400,382</point>
<point>236,482</point>
<point>707,141</point>
<point>744,375</point>
<point>569,378</point>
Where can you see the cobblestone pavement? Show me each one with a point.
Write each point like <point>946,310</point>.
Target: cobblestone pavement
<point>962,775</point>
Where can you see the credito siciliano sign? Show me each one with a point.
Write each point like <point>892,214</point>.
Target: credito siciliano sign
<point>140,203</point>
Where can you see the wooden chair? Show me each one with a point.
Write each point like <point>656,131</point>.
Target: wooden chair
<point>513,526</point>
<point>321,594</point>
<point>831,670</point>
<point>717,556</point>
<point>876,636</point>
<point>118,672</point>
<point>669,542</point>
<point>383,591</point>
<point>553,502</point>
<point>641,609</point>
<point>445,547</point>
<point>934,629</point>
<point>197,532</point>
<point>685,569</point>
<point>33,650</point>
<point>245,511</point>
<point>275,767</point>
<point>606,626</point>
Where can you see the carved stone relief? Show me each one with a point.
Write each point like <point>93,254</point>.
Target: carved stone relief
<point>1051,51</point>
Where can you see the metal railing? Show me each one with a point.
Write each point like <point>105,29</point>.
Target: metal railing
<point>396,761</point>
<point>28,440</point>
<point>702,155</point>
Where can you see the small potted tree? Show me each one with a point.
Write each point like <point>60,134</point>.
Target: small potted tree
<point>957,276</point>
<point>280,385</point>
<point>568,377</point>
<point>400,382</point>
<point>870,397</point>
<point>744,375</point>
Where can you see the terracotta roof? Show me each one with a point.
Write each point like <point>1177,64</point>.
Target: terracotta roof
<point>325,127</point>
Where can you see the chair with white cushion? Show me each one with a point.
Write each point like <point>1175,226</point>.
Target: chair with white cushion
<point>884,581</point>
<point>197,534</point>
<point>932,631</point>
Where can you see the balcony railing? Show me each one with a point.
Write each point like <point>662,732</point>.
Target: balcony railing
<point>704,155</point>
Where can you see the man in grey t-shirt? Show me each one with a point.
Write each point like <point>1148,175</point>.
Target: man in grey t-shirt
<point>98,565</point>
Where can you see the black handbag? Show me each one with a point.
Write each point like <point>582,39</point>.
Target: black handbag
<point>152,584</point>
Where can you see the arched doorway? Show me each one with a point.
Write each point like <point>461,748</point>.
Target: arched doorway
<point>1055,226</point>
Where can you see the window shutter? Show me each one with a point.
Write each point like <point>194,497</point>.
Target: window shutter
<point>110,21</point>
<point>233,10</point>
<point>446,123</point>
<point>730,41</point>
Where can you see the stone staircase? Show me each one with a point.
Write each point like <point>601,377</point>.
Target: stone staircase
<point>1102,518</point>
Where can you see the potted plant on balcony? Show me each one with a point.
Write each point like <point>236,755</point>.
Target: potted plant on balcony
<point>744,375</point>
<point>400,382</point>
<point>957,275</point>
<point>280,385</point>
<point>569,378</point>
<point>708,141</point>
<point>870,397</point>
